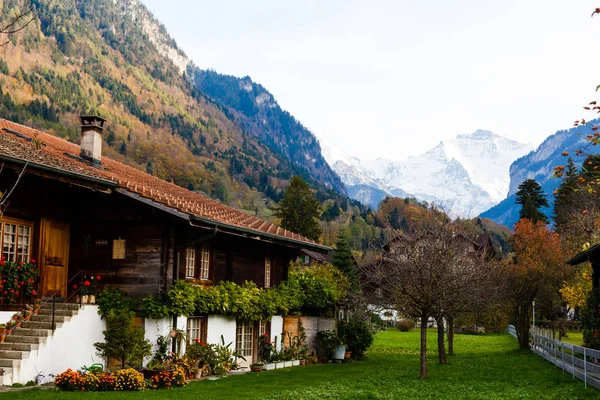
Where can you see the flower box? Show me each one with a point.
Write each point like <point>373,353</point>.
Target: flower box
<point>287,364</point>
<point>280,364</point>
<point>295,363</point>
<point>270,366</point>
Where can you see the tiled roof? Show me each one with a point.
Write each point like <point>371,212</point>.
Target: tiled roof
<point>58,153</point>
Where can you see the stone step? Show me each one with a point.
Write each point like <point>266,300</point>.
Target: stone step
<point>13,354</point>
<point>48,318</point>
<point>10,363</point>
<point>32,332</point>
<point>18,346</point>
<point>66,313</point>
<point>24,339</point>
<point>39,324</point>
<point>60,306</point>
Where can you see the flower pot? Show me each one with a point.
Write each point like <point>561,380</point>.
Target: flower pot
<point>295,363</point>
<point>92,299</point>
<point>287,364</point>
<point>256,368</point>
<point>339,353</point>
<point>36,311</point>
<point>84,299</point>
<point>348,355</point>
<point>280,364</point>
<point>269,366</point>
<point>27,317</point>
<point>77,299</point>
<point>302,361</point>
<point>198,375</point>
<point>2,337</point>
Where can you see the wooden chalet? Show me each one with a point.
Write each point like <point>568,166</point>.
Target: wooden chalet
<point>78,213</point>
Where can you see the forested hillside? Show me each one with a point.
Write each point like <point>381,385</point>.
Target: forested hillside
<point>114,59</point>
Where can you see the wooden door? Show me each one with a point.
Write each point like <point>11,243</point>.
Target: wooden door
<point>54,256</point>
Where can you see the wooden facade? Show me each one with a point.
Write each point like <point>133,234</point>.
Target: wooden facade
<point>80,226</point>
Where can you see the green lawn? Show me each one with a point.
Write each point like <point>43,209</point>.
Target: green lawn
<point>573,337</point>
<point>486,367</point>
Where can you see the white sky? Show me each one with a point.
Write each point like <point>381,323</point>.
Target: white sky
<point>393,78</point>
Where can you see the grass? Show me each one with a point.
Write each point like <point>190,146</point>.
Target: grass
<point>487,367</point>
<point>573,337</point>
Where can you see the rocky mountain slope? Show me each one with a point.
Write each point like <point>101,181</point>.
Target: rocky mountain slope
<point>113,58</point>
<point>539,165</point>
<point>465,175</point>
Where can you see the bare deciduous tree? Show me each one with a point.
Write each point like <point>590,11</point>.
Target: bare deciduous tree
<point>427,274</point>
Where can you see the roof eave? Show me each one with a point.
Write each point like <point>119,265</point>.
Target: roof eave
<point>58,171</point>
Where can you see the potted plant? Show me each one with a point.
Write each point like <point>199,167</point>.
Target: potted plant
<point>2,332</point>
<point>17,318</point>
<point>161,360</point>
<point>37,303</point>
<point>9,327</point>
<point>26,315</point>
<point>257,366</point>
<point>328,342</point>
<point>92,288</point>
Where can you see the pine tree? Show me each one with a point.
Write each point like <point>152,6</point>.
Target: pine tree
<point>344,261</point>
<point>531,197</point>
<point>299,209</point>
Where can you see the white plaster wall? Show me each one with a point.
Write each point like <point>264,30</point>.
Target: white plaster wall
<point>6,316</point>
<point>157,327</point>
<point>71,346</point>
<point>218,325</point>
<point>277,330</point>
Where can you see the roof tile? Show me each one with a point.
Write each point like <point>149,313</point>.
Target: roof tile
<point>55,153</point>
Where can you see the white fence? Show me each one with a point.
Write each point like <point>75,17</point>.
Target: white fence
<point>580,362</point>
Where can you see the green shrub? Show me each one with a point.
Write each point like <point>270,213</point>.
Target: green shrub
<point>154,307</point>
<point>327,342</point>
<point>113,300</point>
<point>357,333</point>
<point>404,325</point>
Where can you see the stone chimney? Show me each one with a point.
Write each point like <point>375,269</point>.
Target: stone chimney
<point>91,138</point>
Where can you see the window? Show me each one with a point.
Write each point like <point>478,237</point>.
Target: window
<point>204,261</point>
<point>267,272</point>
<point>263,327</point>
<point>243,343</point>
<point>190,263</point>
<point>16,240</point>
<point>196,329</point>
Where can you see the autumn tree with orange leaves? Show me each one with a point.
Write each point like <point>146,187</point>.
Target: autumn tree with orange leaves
<point>536,272</point>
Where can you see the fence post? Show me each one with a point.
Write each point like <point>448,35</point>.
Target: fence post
<point>573,360</point>
<point>585,367</point>
<point>563,358</point>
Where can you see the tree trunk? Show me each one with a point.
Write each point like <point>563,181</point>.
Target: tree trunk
<point>424,318</point>
<point>523,326</point>
<point>440,341</point>
<point>450,336</point>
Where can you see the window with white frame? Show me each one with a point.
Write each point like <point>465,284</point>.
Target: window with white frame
<point>245,334</point>
<point>267,272</point>
<point>262,327</point>
<point>196,329</point>
<point>16,240</point>
<point>190,263</point>
<point>205,262</point>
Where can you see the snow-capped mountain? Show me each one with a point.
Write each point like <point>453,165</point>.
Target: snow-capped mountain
<point>539,165</point>
<point>465,175</point>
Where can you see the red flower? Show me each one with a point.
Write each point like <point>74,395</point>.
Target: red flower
<point>17,293</point>
<point>98,277</point>
<point>19,267</point>
<point>5,292</point>
<point>12,290</point>
<point>87,283</point>
<point>33,261</point>
<point>2,262</point>
<point>74,286</point>
<point>34,292</point>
